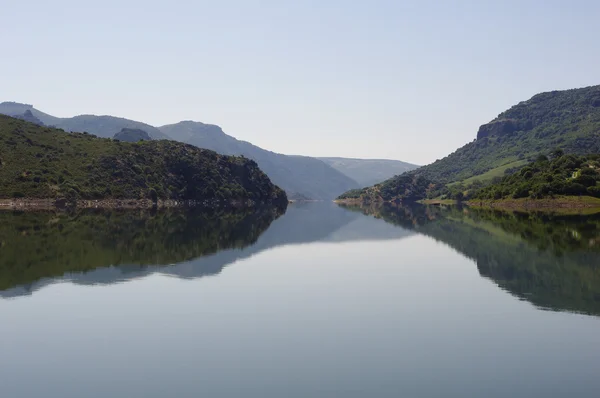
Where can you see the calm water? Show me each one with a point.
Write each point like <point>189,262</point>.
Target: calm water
<point>322,301</point>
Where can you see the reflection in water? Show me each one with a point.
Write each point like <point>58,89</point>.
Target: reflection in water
<point>102,247</point>
<point>552,261</point>
<point>116,245</point>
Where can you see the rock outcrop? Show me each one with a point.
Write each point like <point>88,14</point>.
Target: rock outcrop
<point>132,135</point>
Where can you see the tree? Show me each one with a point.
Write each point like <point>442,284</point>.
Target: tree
<point>153,195</point>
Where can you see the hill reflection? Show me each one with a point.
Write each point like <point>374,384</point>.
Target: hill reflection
<point>552,261</point>
<point>103,247</point>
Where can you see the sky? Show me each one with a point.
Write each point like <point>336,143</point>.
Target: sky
<point>406,80</point>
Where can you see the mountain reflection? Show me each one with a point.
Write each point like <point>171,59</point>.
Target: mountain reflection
<point>552,261</point>
<point>94,247</point>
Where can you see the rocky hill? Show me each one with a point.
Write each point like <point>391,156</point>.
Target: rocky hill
<point>566,119</point>
<point>569,120</point>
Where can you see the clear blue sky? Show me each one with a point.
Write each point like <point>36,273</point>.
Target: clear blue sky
<point>409,80</point>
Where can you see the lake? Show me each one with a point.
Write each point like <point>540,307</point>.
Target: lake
<point>322,301</point>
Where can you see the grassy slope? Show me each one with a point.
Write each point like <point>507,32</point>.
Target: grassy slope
<point>497,172</point>
<point>41,162</point>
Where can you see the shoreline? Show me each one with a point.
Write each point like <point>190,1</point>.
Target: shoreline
<point>54,204</point>
<point>555,204</point>
<point>436,202</point>
<point>356,202</point>
<point>559,204</point>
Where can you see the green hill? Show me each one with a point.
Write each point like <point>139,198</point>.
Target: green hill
<point>42,162</point>
<point>567,119</point>
<point>402,188</point>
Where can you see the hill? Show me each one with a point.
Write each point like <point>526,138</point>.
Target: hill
<point>567,119</point>
<point>368,171</point>
<point>42,162</point>
<point>132,135</point>
<point>299,176</point>
<point>302,177</point>
<point>15,109</point>
<point>29,117</point>
<point>101,126</point>
<point>106,126</point>
<point>404,188</point>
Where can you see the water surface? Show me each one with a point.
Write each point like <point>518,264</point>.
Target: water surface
<point>322,301</point>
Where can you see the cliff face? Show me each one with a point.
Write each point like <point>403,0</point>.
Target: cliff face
<point>503,127</point>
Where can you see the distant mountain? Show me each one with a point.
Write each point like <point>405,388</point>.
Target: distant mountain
<point>369,171</point>
<point>29,117</point>
<point>101,126</point>
<point>569,120</point>
<point>46,163</point>
<point>299,176</point>
<point>106,126</point>
<point>15,109</point>
<point>302,177</point>
<point>132,135</point>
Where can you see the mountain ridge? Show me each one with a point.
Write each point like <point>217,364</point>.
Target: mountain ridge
<point>302,177</point>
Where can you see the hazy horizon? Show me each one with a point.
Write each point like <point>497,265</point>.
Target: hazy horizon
<point>410,81</point>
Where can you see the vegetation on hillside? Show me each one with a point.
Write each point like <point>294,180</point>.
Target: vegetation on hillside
<point>544,178</point>
<point>42,162</point>
<point>402,188</point>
